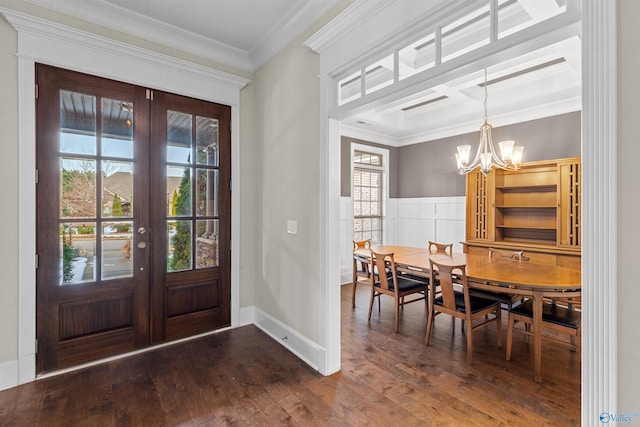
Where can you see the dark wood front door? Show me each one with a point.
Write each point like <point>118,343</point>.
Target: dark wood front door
<point>133,217</point>
<point>191,205</point>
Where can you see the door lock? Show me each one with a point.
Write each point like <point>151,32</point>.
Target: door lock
<point>142,230</point>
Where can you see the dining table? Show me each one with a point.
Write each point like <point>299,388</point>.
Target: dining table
<point>524,278</point>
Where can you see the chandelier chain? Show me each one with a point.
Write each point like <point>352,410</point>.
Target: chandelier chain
<point>486,95</point>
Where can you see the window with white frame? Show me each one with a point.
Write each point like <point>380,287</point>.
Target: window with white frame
<point>368,196</point>
<point>460,33</point>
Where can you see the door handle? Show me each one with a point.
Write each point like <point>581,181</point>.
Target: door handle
<point>142,245</point>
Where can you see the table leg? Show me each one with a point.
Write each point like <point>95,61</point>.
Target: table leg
<point>537,334</point>
<point>354,283</point>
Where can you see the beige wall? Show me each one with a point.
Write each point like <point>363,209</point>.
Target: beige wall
<point>628,207</point>
<point>9,180</point>
<point>287,129</point>
<point>250,208</point>
<point>288,125</point>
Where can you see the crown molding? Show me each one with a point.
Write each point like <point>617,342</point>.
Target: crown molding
<point>301,18</point>
<point>56,44</point>
<point>111,16</point>
<point>366,135</point>
<point>351,17</point>
<point>118,18</point>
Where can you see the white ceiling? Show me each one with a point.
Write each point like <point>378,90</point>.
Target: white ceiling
<point>241,24</point>
<point>246,33</point>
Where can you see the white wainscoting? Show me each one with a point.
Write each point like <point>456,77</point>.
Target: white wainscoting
<point>408,222</point>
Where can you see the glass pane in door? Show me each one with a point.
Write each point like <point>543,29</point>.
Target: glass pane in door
<point>179,245</point>
<point>77,123</point>
<point>207,243</point>
<point>207,191</point>
<point>117,256</point>
<point>117,189</point>
<point>77,252</point>
<point>206,141</point>
<point>178,137</point>
<point>77,188</point>
<point>178,191</point>
<point>117,128</point>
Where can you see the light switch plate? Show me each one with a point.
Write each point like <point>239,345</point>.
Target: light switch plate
<point>292,226</point>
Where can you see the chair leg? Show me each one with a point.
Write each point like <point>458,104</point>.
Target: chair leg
<point>397,313</point>
<point>426,304</point>
<point>510,326</point>
<point>430,316</point>
<point>499,327</point>
<point>373,295</point>
<point>355,283</point>
<point>469,333</point>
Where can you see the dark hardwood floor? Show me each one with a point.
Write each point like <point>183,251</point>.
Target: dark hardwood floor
<point>243,377</point>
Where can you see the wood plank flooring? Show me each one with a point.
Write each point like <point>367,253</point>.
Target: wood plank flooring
<point>242,377</point>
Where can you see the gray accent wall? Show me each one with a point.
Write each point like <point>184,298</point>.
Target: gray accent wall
<point>345,166</point>
<point>428,169</point>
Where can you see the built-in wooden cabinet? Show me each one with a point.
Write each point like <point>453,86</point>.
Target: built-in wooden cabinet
<point>536,209</point>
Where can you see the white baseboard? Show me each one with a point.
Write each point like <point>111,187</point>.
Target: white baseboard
<point>298,344</point>
<point>247,316</point>
<point>8,374</point>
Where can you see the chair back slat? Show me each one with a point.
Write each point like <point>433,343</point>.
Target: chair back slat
<point>382,265</point>
<point>436,247</point>
<point>448,275</point>
<point>361,244</point>
<point>446,289</point>
<point>445,275</point>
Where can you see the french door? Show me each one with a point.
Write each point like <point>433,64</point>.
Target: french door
<point>133,217</point>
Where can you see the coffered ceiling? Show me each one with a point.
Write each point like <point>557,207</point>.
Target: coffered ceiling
<point>538,84</point>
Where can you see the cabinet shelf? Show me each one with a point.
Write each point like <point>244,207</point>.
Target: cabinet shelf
<point>530,242</point>
<point>528,188</point>
<point>524,227</point>
<point>527,207</point>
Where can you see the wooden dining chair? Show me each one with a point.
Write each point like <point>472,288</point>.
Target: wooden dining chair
<point>360,266</point>
<point>557,316</point>
<point>459,304</point>
<point>385,280</point>
<point>509,300</point>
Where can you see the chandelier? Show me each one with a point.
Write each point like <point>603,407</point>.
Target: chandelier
<point>486,157</point>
